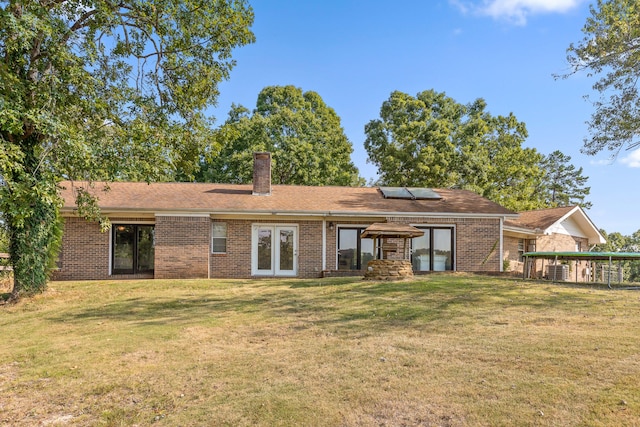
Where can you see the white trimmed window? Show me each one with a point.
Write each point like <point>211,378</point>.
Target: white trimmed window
<point>219,238</point>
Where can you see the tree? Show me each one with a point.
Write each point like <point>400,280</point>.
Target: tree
<point>611,48</point>
<point>433,141</point>
<point>413,142</point>
<point>563,184</point>
<point>304,135</point>
<point>101,90</point>
<point>617,242</point>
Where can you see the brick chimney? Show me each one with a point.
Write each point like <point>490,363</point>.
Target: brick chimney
<point>262,174</point>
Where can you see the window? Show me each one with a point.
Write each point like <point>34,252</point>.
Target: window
<point>219,238</point>
<point>578,246</point>
<point>354,253</point>
<point>133,248</point>
<point>525,245</point>
<point>434,250</point>
<point>521,251</point>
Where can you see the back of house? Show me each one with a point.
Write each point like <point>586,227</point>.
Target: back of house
<point>203,230</point>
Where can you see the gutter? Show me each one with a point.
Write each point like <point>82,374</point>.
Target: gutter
<point>209,212</point>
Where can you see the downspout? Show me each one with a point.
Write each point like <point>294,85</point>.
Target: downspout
<point>324,244</point>
<point>501,245</point>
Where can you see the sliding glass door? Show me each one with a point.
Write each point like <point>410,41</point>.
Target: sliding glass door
<point>132,249</point>
<point>434,250</point>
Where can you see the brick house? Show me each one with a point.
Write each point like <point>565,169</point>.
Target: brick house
<point>563,229</point>
<point>202,230</point>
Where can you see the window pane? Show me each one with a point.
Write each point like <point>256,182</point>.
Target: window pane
<point>218,245</point>
<point>421,255</point>
<point>145,248</point>
<point>219,237</point>
<point>286,250</point>
<point>219,229</point>
<point>366,252</point>
<point>442,251</point>
<point>264,249</point>
<point>123,248</point>
<point>347,249</point>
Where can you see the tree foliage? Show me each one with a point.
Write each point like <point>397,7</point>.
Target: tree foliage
<point>101,90</point>
<point>431,140</point>
<point>611,49</point>
<point>617,242</point>
<point>563,184</point>
<point>304,135</point>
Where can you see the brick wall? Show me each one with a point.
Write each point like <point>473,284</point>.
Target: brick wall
<point>560,243</point>
<point>261,173</point>
<point>563,243</point>
<point>477,244</point>
<point>236,263</point>
<point>548,243</point>
<point>182,247</point>
<point>85,251</point>
<point>310,249</point>
<point>511,245</point>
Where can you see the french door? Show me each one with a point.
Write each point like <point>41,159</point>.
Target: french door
<point>274,250</point>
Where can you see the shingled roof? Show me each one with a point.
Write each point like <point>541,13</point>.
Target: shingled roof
<point>208,198</point>
<point>542,221</point>
<point>539,219</point>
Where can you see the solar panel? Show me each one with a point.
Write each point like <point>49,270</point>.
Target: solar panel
<point>409,193</point>
<point>396,193</point>
<point>424,193</point>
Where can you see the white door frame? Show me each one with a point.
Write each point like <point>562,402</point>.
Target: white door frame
<point>275,230</point>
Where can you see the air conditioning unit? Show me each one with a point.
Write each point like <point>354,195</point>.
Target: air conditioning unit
<point>558,272</point>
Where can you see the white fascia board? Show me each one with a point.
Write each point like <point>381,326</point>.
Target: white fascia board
<point>343,214</point>
<point>581,218</point>
<point>326,214</point>
<point>183,214</point>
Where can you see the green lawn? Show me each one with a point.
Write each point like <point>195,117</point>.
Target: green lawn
<point>444,350</point>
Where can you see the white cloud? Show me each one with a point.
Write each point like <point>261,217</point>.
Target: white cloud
<point>632,160</point>
<point>602,162</point>
<point>515,11</point>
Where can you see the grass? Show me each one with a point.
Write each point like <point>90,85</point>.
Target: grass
<point>443,350</point>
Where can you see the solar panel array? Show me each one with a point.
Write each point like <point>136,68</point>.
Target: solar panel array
<point>410,193</point>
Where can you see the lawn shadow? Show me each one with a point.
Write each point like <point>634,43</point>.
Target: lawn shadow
<point>337,302</point>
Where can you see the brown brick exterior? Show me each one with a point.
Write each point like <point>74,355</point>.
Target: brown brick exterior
<point>554,242</point>
<point>182,247</point>
<point>262,174</point>
<point>85,251</point>
<point>236,263</point>
<point>477,241</point>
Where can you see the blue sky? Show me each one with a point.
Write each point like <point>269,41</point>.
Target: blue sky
<point>355,53</point>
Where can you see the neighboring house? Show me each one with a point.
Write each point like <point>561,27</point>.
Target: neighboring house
<point>564,229</point>
<point>201,230</point>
